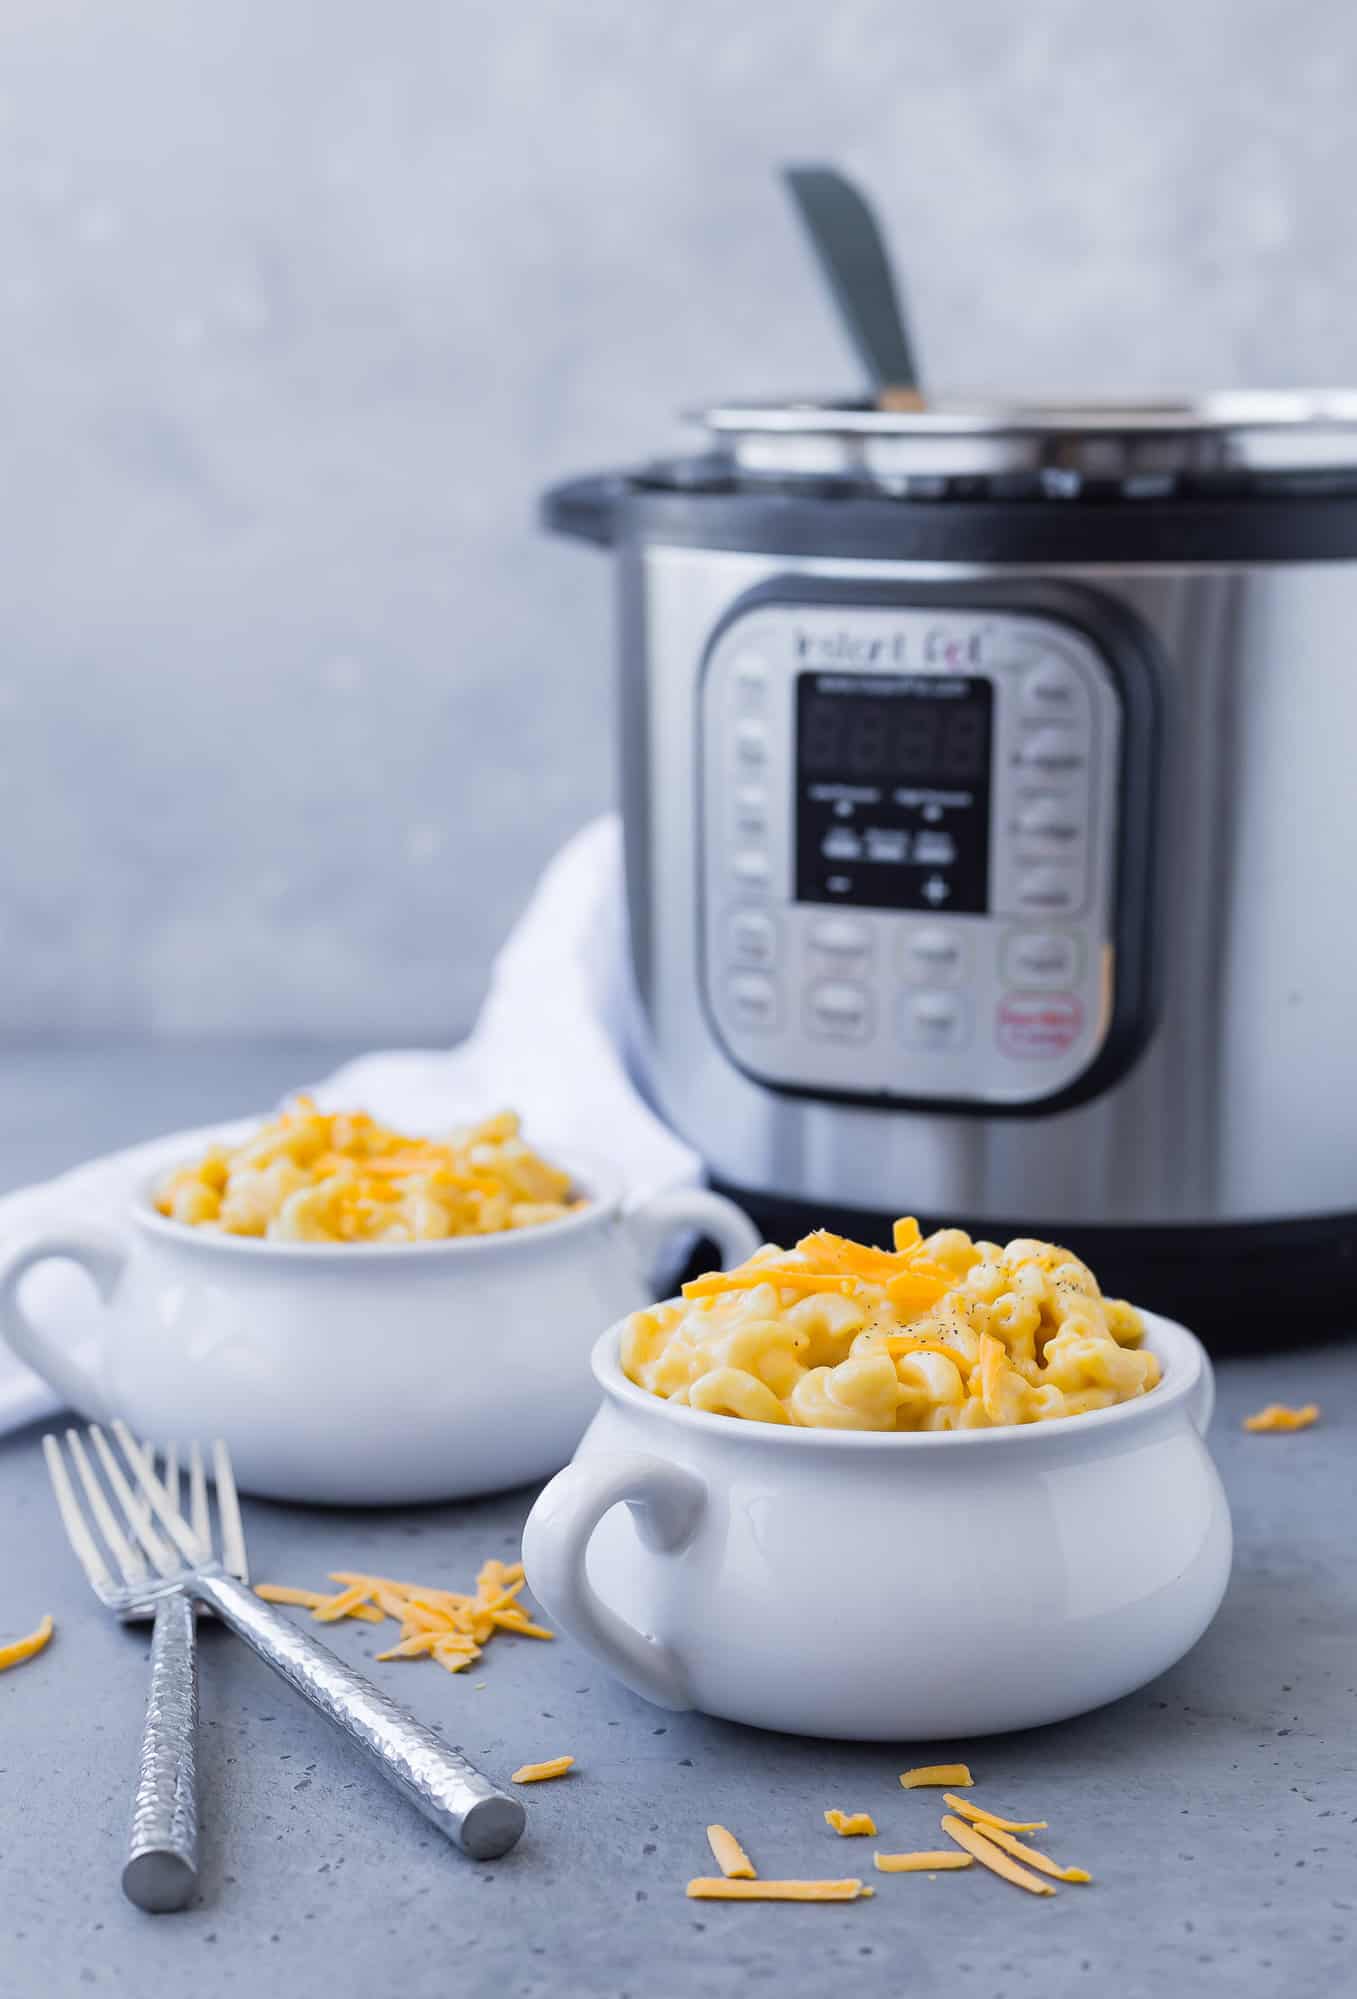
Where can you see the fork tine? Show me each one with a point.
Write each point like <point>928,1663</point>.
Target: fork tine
<point>166,1509</point>
<point>133,1506</point>
<point>127,1557</point>
<point>228,1507</point>
<point>200,1515</point>
<point>83,1543</point>
<point>169,1477</point>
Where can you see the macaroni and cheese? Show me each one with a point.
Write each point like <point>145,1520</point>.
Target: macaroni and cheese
<point>314,1176</point>
<point>938,1334</point>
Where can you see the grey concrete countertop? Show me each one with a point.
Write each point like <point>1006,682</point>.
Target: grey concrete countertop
<point>1215,1809</point>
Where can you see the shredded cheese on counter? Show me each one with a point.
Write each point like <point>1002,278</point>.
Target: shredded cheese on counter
<point>982,1817</point>
<point>1277,1416</point>
<point>974,1832</point>
<point>26,1648</point>
<point>716,1888</point>
<point>988,1854</point>
<point>539,1773</point>
<point>976,1835</point>
<point>447,1626</point>
<point>729,1855</point>
<point>920,1863</point>
<point>936,1773</point>
<point>1042,1861</point>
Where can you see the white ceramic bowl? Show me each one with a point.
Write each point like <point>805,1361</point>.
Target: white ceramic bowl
<point>362,1373</point>
<point>900,1587</point>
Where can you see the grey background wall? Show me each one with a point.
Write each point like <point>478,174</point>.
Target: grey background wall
<point>302,301</point>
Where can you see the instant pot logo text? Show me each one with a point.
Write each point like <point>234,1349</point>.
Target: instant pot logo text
<point>847,650</point>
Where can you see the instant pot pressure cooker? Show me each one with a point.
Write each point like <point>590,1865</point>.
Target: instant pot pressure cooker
<point>990,799</point>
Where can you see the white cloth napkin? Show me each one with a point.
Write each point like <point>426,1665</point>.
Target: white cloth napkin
<point>551,1042</point>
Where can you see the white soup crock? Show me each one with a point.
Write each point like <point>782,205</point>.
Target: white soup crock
<point>359,1373</point>
<point>900,1587</point>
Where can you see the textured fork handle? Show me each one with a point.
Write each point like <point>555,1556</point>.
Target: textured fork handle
<point>450,1792</point>
<point>162,1853</point>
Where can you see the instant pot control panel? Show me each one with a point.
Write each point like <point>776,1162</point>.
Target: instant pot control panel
<point>926,833</point>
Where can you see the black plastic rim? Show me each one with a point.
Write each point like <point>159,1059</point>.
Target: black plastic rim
<point>1242,1287</point>
<point>1257,525</point>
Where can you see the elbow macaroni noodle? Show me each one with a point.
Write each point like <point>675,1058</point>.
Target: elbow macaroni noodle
<point>940,1334</point>
<point>310,1176</point>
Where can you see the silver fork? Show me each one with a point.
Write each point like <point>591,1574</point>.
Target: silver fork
<point>453,1795</point>
<point>161,1870</point>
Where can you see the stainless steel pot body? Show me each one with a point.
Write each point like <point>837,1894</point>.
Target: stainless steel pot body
<point>1193,570</point>
<point>1242,1102</point>
<point>1239,1107</point>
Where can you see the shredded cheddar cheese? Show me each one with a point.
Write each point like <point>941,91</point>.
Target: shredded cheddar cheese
<point>541,1773</point>
<point>988,1854</point>
<point>921,1863</point>
<point>982,1817</point>
<point>729,1855</point>
<point>717,1888</point>
<point>1277,1416</point>
<point>304,1599</point>
<point>351,1602</point>
<point>976,1835</point>
<point>446,1626</point>
<point>20,1649</point>
<point>1041,1861</point>
<point>787,1276</point>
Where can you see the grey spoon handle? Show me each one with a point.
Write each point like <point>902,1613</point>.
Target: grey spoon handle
<point>844,234</point>
<point>451,1793</point>
<point>161,1872</point>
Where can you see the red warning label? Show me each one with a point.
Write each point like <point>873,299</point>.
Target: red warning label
<point>1032,1025</point>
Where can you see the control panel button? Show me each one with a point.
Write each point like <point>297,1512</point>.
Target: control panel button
<point>934,1020</point>
<point>1042,957</point>
<point>1033,1026</point>
<point>1051,688</point>
<point>751,810</point>
<point>1008,648</point>
<point>933,956</point>
<point>933,849</point>
<point>754,1001</point>
<point>1053,751</point>
<point>888,845</point>
<point>1054,890</point>
<point>751,867</point>
<point>1053,823</point>
<point>753,937</point>
<point>841,944</point>
<point>841,843</point>
<point>750,673</point>
<point>751,743</point>
<point>837,1010</point>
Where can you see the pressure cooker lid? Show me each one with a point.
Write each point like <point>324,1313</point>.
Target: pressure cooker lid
<point>1152,445</point>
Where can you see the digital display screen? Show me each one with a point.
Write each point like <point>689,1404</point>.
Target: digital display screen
<point>917,740</point>
<point>893,790</point>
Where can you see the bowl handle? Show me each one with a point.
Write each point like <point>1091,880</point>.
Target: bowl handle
<point>102,1256</point>
<point>652,1223</point>
<point>667,1503</point>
